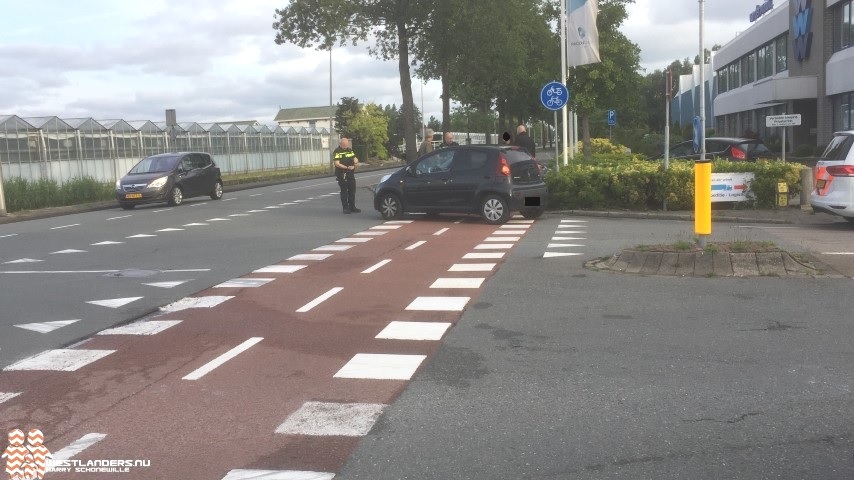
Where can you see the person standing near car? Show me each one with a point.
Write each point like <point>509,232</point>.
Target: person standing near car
<point>524,141</point>
<point>426,144</point>
<point>449,141</point>
<point>345,168</point>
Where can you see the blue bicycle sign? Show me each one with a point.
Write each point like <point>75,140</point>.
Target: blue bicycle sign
<point>554,95</point>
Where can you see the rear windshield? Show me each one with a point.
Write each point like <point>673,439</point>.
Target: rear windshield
<point>838,148</point>
<point>155,165</point>
<point>754,148</point>
<point>514,156</point>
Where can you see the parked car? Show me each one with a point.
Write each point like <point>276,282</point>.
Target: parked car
<point>834,178</point>
<point>169,177</point>
<point>736,149</point>
<point>492,181</point>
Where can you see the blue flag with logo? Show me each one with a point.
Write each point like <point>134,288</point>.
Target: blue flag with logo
<point>582,35</point>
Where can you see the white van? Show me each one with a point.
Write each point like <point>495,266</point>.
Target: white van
<point>834,178</point>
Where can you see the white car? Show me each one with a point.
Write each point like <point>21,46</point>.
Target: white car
<point>834,178</point>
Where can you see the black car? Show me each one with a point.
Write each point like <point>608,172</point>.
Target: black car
<point>731,148</point>
<point>169,177</point>
<point>492,181</point>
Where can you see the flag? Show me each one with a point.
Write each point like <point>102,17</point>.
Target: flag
<point>582,35</point>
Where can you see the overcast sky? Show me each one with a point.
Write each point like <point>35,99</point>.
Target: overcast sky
<point>215,60</point>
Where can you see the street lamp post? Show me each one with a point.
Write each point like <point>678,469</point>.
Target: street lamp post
<point>702,167</point>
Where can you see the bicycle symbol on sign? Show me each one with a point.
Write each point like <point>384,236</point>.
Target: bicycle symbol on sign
<point>552,91</point>
<point>554,101</point>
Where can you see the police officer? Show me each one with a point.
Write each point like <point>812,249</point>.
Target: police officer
<point>345,168</point>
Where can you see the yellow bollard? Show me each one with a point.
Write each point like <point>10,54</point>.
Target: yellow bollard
<point>703,197</point>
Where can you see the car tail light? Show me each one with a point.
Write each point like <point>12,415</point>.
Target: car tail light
<point>739,154</point>
<point>841,170</point>
<point>503,166</point>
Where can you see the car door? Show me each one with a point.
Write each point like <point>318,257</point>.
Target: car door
<point>425,184</point>
<point>192,175</point>
<point>208,173</point>
<point>467,174</point>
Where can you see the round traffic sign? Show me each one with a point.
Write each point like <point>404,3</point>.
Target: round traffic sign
<point>554,95</point>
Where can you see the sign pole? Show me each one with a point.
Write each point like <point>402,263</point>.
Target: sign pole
<point>565,131</point>
<point>557,159</point>
<point>2,195</point>
<point>784,145</point>
<point>702,167</point>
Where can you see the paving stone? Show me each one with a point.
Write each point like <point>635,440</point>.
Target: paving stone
<point>771,264</point>
<point>651,264</point>
<point>704,264</point>
<point>744,265</point>
<point>636,263</point>
<point>622,261</point>
<point>794,267</point>
<point>723,265</point>
<point>685,264</point>
<point>668,264</point>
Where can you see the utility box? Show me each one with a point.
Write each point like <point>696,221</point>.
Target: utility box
<point>782,194</point>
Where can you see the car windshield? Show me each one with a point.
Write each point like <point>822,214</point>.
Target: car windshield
<point>838,148</point>
<point>513,155</point>
<point>155,165</point>
<point>755,147</point>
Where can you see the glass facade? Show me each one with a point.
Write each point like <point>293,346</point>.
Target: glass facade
<point>843,26</point>
<point>843,111</point>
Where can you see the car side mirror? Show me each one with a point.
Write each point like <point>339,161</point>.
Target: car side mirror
<point>411,172</point>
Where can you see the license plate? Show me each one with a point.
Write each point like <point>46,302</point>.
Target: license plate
<point>133,195</point>
<point>819,184</point>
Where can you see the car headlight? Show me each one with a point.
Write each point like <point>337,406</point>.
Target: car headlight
<point>119,184</point>
<point>158,183</point>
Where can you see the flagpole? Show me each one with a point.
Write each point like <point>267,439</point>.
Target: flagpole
<point>563,52</point>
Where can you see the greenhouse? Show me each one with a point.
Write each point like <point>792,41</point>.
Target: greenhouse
<point>35,148</point>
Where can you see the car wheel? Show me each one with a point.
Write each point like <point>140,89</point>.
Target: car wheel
<point>176,196</point>
<point>533,213</point>
<point>494,209</point>
<point>127,206</point>
<point>390,207</point>
<point>216,194</point>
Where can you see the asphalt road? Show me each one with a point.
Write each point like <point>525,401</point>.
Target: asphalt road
<point>403,356</point>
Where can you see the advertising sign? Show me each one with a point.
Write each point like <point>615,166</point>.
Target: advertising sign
<point>731,187</point>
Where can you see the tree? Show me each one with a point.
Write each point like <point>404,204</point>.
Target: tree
<point>392,24</point>
<point>347,109</point>
<point>370,126</point>
<point>615,80</point>
<point>434,124</point>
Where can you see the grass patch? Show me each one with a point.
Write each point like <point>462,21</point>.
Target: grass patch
<point>739,246</point>
<point>22,194</point>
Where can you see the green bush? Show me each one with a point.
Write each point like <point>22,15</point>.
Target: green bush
<point>22,194</point>
<point>630,182</point>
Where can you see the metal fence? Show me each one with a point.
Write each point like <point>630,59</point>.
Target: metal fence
<point>35,148</point>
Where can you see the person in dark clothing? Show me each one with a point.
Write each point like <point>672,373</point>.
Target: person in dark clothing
<point>524,141</point>
<point>449,141</point>
<point>345,168</point>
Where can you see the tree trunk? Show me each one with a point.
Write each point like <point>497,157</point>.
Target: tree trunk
<point>406,92</point>
<point>585,126</point>
<point>446,98</point>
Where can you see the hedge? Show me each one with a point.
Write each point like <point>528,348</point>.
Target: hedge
<point>631,182</point>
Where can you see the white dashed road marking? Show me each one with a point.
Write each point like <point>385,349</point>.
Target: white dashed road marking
<point>196,224</point>
<point>9,235</point>
<point>70,250</point>
<point>141,235</point>
<point>245,474</point>
<point>385,227</point>
<point>46,327</point>
<point>557,239</point>
<point>311,256</point>
<point>317,301</point>
<point>150,327</point>
<point>114,302</point>
<point>195,302</point>
<point>483,255</point>
<point>439,304</point>
<point>171,230</point>
<point>353,240</point>
<point>280,269</point>
<point>24,260</point>
<point>64,360</point>
<point>560,245</point>
<point>218,220</point>
<point>509,232</point>
<point>332,248</point>
<point>166,284</point>
<point>464,282</point>
<point>414,330</point>
<point>107,242</point>
<point>244,283</point>
<point>371,233</point>
<point>380,366</point>
<point>472,267</point>
<point>501,239</point>
<point>116,218</point>
<point>493,246</point>
<point>339,419</point>
<point>559,254</point>
<point>441,231</point>
<point>513,227</point>
<point>66,226</point>
<point>6,396</point>
<point>416,245</point>
<point>376,266</point>
<point>78,446</point>
<point>220,360</point>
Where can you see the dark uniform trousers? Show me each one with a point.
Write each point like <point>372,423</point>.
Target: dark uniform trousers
<point>346,178</point>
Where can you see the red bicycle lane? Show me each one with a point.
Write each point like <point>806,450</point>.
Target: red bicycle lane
<point>224,390</point>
